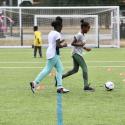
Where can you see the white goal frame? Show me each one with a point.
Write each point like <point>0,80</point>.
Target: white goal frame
<point>74,16</point>
<point>113,12</point>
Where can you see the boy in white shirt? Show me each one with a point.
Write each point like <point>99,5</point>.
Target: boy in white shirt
<point>53,59</point>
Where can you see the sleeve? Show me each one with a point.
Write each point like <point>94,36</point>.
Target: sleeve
<point>57,36</point>
<point>78,37</point>
<point>40,38</point>
<point>84,39</point>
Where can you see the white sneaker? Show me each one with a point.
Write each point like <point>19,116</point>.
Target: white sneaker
<point>62,90</point>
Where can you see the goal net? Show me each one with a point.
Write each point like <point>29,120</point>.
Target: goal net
<point>16,24</point>
<point>71,25</point>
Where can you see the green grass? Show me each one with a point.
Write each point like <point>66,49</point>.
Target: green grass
<point>18,106</point>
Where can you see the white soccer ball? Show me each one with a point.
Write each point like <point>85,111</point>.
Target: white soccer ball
<point>109,85</point>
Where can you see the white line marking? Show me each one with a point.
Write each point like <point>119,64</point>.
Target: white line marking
<point>64,67</point>
<point>62,62</point>
<point>21,62</point>
<point>20,67</point>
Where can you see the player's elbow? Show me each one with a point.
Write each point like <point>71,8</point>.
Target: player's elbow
<point>72,44</point>
<point>58,46</point>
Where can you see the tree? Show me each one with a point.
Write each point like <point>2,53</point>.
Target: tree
<point>80,2</point>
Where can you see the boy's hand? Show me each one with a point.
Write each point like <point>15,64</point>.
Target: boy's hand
<point>64,44</point>
<point>87,49</point>
<point>62,41</point>
<point>83,43</point>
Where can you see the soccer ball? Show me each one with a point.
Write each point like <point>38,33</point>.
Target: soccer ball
<point>109,85</point>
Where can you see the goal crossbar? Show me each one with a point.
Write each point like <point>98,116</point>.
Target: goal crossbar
<point>105,28</point>
<point>74,16</point>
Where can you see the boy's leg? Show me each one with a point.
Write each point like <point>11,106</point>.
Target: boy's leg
<point>35,51</point>
<point>83,65</point>
<point>40,51</point>
<point>74,70</point>
<point>59,69</point>
<point>71,72</point>
<point>50,64</point>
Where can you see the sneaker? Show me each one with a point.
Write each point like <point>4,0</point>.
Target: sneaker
<point>32,87</point>
<point>88,88</point>
<point>62,90</point>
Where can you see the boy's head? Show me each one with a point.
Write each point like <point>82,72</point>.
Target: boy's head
<point>35,28</point>
<point>57,25</point>
<point>85,26</point>
<point>58,18</point>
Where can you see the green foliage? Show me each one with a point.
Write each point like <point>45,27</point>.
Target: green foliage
<point>80,2</point>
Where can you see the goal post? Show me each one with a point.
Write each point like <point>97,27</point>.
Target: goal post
<point>122,28</point>
<point>71,25</point>
<point>21,31</point>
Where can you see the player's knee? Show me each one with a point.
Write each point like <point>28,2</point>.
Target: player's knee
<point>48,71</point>
<point>75,70</point>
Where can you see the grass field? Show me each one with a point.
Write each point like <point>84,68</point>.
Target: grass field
<point>18,106</point>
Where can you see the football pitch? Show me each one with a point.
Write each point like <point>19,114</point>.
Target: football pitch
<point>18,106</point>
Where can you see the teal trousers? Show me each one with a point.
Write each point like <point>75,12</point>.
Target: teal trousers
<point>54,62</point>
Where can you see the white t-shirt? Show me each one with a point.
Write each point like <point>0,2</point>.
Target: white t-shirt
<point>52,37</point>
<point>76,49</point>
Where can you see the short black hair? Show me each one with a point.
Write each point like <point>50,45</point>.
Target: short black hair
<point>58,18</point>
<point>35,28</point>
<point>84,24</point>
<point>56,23</point>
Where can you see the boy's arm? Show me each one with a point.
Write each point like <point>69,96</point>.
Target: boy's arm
<point>61,44</point>
<point>87,49</point>
<point>77,43</point>
<point>62,41</point>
